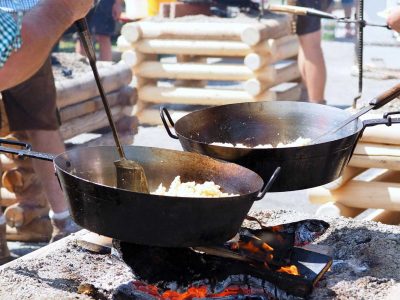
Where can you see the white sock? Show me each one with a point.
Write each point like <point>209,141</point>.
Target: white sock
<point>58,216</point>
<point>2,220</point>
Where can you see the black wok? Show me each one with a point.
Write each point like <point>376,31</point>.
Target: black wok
<point>270,123</point>
<point>88,179</point>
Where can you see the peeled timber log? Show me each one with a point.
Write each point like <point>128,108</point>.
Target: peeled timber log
<point>18,180</point>
<point>383,192</point>
<point>322,194</point>
<point>132,58</point>
<point>6,162</point>
<point>89,122</point>
<point>208,96</point>
<point>283,48</point>
<point>381,135</point>
<point>198,71</point>
<point>289,72</point>
<point>84,87</point>
<point>385,195</point>
<point>368,155</point>
<point>39,230</point>
<point>276,49</point>
<point>7,198</point>
<point>18,215</point>
<point>126,96</point>
<point>249,33</point>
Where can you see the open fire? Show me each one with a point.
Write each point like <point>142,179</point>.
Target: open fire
<point>257,264</point>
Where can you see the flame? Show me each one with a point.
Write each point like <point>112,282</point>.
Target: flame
<point>293,270</point>
<point>191,293</point>
<point>277,228</point>
<point>251,247</point>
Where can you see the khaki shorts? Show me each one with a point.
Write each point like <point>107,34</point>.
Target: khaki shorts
<point>31,105</point>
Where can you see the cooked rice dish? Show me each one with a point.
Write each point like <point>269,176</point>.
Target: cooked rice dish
<point>299,142</point>
<point>191,189</point>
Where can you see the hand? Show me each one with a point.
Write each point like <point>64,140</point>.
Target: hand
<point>393,19</point>
<point>117,10</point>
<point>77,8</point>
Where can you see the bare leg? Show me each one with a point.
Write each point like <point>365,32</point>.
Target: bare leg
<point>48,141</point>
<point>4,252</point>
<point>312,66</point>
<point>105,47</point>
<point>347,13</point>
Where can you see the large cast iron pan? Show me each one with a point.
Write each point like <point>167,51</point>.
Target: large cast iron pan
<point>88,179</point>
<point>270,123</point>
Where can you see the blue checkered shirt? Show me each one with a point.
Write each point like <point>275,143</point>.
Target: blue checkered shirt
<point>11,12</point>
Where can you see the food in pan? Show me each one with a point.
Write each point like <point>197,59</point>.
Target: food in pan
<point>191,189</point>
<point>297,143</point>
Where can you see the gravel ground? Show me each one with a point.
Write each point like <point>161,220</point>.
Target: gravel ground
<point>366,263</point>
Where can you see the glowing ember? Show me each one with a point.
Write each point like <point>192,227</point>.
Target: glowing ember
<point>191,293</point>
<point>290,270</point>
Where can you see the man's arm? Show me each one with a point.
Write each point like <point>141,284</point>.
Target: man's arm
<point>394,19</point>
<point>41,29</point>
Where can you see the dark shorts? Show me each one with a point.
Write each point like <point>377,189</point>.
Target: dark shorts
<point>100,18</point>
<point>31,105</point>
<point>307,24</point>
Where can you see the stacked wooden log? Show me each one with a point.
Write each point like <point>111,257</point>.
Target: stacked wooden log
<point>81,111</point>
<point>250,58</point>
<point>22,193</point>
<point>81,108</point>
<point>369,188</point>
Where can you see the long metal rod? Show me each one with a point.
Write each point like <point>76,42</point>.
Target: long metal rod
<point>84,34</point>
<point>360,51</point>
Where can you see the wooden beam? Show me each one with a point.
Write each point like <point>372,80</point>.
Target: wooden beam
<point>199,71</point>
<point>381,135</point>
<point>368,155</point>
<point>19,215</point>
<point>84,87</point>
<point>249,33</point>
<point>287,73</point>
<point>89,122</point>
<point>7,198</point>
<point>201,96</point>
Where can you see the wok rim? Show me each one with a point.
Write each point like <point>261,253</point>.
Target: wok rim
<point>186,117</point>
<point>218,161</point>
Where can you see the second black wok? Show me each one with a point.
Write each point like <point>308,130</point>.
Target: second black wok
<point>258,123</point>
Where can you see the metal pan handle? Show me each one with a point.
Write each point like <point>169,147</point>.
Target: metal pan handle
<point>164,112</point>
<point>27,152</point>
<point>385,97</point>
<point>268,185</point>
<point>386,120</point>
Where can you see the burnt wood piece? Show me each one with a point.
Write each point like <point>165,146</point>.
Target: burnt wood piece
<point>162,266</point>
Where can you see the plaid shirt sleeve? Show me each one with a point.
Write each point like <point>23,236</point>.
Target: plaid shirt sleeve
<point>10,25</point>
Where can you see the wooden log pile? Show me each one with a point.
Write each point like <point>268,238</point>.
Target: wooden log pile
<point>254,58</point>
<point>369,188</point>
<point>81,111</point>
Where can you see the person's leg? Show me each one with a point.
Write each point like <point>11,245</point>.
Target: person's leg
<point>48,141</point>
<point>104,42</point>
<point>347,7</point>
<point>31,107</point>
<point>4,252</point>
<point>312,66</point>
<point>104,27</point>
